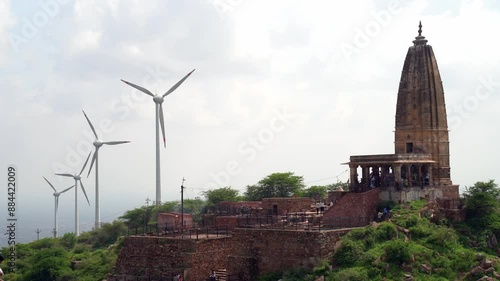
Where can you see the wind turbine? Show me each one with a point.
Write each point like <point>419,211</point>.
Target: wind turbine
<point>158,99</point>
<point>56,203</point>
<point>98,143</point>
<point>77,179</point>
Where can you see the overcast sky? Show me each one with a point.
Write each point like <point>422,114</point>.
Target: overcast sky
<point>279,86</point>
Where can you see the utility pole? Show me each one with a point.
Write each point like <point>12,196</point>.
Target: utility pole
<point>182,205</point>
<point>38,233</point>
<point>145,213</point>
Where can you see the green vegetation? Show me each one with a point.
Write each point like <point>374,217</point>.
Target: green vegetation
<point>86,258</point>
<point>275,185</point>
<point>215,196</point>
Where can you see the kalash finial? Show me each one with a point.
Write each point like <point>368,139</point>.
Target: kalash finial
<point>419,40</point>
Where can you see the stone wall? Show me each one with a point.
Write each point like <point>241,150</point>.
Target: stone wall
<point>416,193</point>
<point>260,251</point>
<point>287,205</point>
<point>231,222</point>
<point>353,209</point>
<point>159,258</point>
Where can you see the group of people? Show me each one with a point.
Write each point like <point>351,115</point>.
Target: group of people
<point>321,207</point>
<point>384,214</point>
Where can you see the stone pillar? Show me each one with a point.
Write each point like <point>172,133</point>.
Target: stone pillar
<point>419,175</point>
<point>397,174</point>
<point>353,175</point>
<point>408,174</point>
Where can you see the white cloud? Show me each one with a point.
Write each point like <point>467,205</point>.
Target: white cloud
<point>85,40</point>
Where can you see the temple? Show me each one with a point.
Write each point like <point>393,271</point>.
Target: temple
<point>422,158</point>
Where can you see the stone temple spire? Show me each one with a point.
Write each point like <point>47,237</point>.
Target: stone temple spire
<point>421,124</point>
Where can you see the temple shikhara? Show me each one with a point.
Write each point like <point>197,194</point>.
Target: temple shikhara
<point>421,158</point>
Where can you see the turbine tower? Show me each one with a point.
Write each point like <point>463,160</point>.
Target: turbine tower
<point>78,179</point>
<point>158,99</point>
<point>95,159</point>
<point>56,203</point>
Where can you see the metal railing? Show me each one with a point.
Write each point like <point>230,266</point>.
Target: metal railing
<point>169,230</point>
<point>302,221</point>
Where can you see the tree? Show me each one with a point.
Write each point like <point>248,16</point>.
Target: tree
<point>215,196</point>
<point>194,207</point>
<point>482,206</point>
<point>139,217</point>
<point>338,186</point>
<point>316,191</point>
<point>275,185</point>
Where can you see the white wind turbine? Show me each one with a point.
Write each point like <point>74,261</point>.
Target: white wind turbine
<point>158,99</point>
<point>56,203</point>
<point>98,143</point>
<point>78,178</point>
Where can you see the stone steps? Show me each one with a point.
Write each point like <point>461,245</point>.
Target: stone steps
<point>221,274</point>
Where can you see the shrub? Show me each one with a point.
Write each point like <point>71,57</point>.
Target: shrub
<point>397,252</point>
<point>443,238</point>
<point>420,231</point>
<point>386,231</point>
<point>348,253</point>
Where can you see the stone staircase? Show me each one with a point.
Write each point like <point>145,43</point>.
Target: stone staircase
<point>221,274</point>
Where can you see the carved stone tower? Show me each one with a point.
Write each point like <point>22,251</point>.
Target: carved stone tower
<point>421,125</point>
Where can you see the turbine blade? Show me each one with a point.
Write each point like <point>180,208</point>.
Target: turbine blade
<point>93,160</point>
<point>178,84</point>
<point>91,126</point>
<point>162,125</point>
<point>50,184</point>
<point>85,164</point>
<point>84,193</point>
<point>115,142</point>
<point>67,189</point>
<point>144,90</point>
<point>65,175</point>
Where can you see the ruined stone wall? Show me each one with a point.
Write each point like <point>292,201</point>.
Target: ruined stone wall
<point>259,251</point>
<point>353,209</point>
<point>159,258</point>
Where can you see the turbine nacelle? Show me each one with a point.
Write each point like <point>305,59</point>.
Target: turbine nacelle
<point>158,99</point>
<point>77,177</point>
<point>98,143</point>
